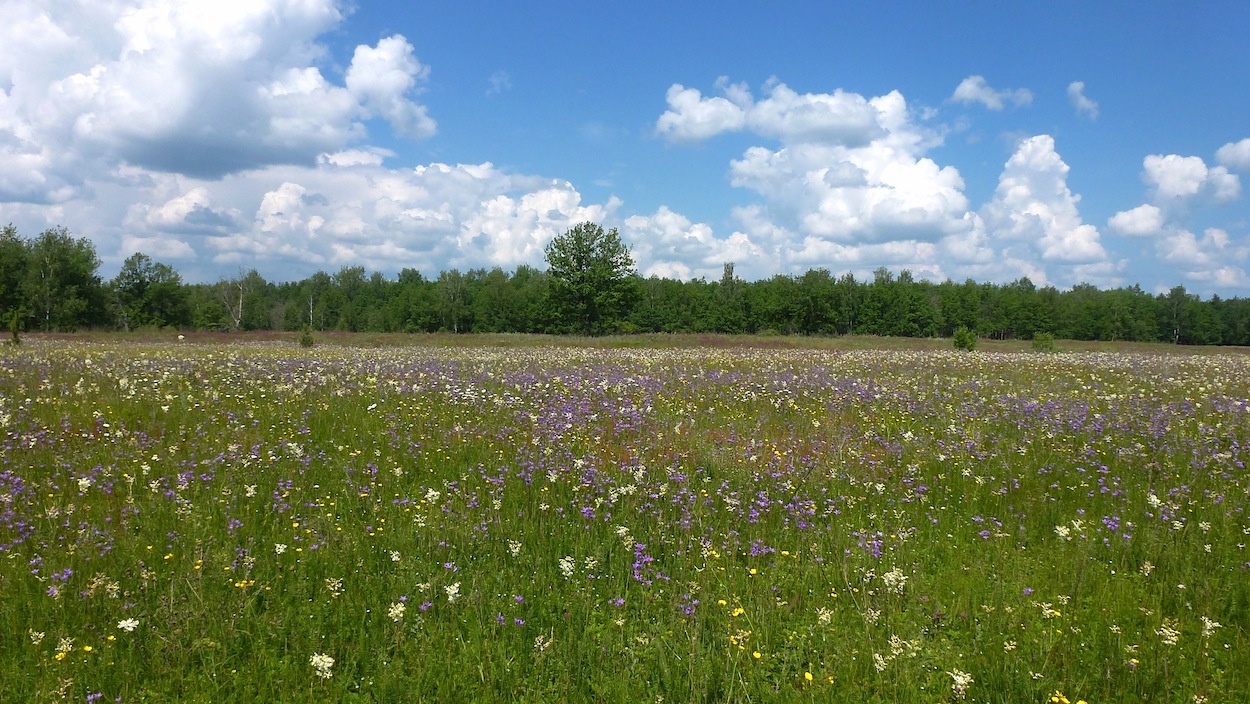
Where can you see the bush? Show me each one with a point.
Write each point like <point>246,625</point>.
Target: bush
<point>305,337</point>
<point>15,322</point>
<point>1043,342</point>
<point>965,339</point>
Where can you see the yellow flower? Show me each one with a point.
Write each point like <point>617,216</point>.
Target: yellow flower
<point>807,676</point>
<point>739,611</point>
<point>756,655</point>
<point>87,648</point>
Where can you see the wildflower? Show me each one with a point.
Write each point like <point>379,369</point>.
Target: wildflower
<point>756,655</point>
<point>396,612</point>
<point>321,664</point>
<point>1168,632</point>
<point>36,637</point>
<point>395,556</point>
<point>807,676</point>
<point>1209,626</point>
<point>960,685</point>
<point>894,580</point>
<point>335,586</point>
<point>128,624</point>
<point>514,547</point>
<point>279,548</point>
<point>567,565</point>
<point>453,591</point>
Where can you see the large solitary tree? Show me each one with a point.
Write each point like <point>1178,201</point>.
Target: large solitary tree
<point>591,279</point>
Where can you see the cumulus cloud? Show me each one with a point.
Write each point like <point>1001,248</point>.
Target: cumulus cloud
<point>975,89</point>
<point>1034,205</point>
<point>1084,106</point>
<point>851,187</point>
<point>1212,259</point>
<point>670,245</point>
<point>1142,221</point>
<point>834,118</point>
<point>1175,178</point>
<point>202,89</point>
<point>382,77</point>
<point>1235,155</point>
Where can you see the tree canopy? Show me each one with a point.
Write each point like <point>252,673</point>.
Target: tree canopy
<point>51,282</point>
<point>591,275</point>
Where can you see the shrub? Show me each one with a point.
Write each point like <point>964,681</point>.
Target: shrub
<point>306,337</point>
<point>965,339</point>
<point>1043,342</point>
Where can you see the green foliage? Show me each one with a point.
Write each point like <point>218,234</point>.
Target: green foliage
<point>15,324</point>
<point>591,288</point>
<point>306,337</point>
<point>149,294</point>
<point>61,285</point>
<point>1043,342</point>
<point>965,340</point>
<point>591,279</point>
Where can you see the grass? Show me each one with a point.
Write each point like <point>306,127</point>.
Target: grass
<point>518,519</point>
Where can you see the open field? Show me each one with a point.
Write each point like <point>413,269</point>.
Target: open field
<point>509,520</point>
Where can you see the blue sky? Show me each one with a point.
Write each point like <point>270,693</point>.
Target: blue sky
<point>1068,142</point>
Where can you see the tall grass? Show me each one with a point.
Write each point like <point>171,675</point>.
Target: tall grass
<point>268,523</point>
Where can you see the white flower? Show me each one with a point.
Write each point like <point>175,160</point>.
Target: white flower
<point>960,685</point>
<point>395,556</point>
<point>514,547</point>
<point>396,612</point>
<point>567,565</point>
<point>453,591</point>
<point>279,548</point>
<point>128,625</point>
<point>1209,626</point>
<point>322,664</point>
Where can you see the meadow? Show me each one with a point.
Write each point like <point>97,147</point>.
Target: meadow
<point>206,522</point>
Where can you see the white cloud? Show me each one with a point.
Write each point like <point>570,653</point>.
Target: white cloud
<point>1083,105</point>
<point>1142,221</point>
<point>1184,249</point>
<point>1180,178</point>
<point>853,194</point>
<point>382,76</point>
<point>845,188</point>
<point>1235,155</point>
<point>692,117</point>
<point>670,245</point>
<point>834,118</point>
<point>974,89</point>
<point>1034,205</point>
<point>203,89</point>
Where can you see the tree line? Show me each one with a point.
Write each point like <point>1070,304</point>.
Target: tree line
<point>51,282</point>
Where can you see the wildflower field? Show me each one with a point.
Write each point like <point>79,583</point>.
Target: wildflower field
<point>260,522</point>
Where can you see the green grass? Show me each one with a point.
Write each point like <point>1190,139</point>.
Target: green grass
<point>699,519</point>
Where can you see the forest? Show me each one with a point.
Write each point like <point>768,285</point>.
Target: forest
<point>51,282</point>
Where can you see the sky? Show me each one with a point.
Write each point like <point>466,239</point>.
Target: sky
<point>1069,142</point>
